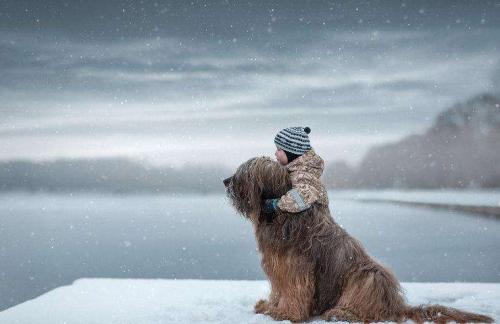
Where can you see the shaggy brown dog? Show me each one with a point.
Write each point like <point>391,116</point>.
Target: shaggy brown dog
<point>314,266</point>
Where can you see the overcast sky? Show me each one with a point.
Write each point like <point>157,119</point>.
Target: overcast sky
<point>213,82</point>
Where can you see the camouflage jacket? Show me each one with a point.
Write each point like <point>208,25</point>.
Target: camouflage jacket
<point>305,172</point>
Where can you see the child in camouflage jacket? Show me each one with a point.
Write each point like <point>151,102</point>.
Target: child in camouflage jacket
<point>305,167</point>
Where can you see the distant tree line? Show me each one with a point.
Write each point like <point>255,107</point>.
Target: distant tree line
<point>117,175</point>
<point>460,150</point>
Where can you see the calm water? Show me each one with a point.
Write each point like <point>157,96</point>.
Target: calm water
<point>49,240</point>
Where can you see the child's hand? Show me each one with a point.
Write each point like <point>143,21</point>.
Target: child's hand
<point>270,205</point>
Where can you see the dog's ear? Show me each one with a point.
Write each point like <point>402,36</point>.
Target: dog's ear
<point>273,179</point>
<point>256,186</point>
<point>261,183</point>
<point>267,180</point>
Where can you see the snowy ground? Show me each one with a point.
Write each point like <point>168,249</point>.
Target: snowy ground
<point>141,301</point>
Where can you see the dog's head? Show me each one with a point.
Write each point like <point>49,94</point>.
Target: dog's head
<point>255,180</point>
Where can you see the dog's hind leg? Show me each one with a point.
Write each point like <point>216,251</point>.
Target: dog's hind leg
<point>371,295</point>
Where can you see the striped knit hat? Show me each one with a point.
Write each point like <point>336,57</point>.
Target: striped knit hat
<point>294,140</point>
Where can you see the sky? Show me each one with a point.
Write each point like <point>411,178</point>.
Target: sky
<point>178,82</point>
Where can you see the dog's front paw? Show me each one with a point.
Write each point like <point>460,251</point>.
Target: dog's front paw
<point>261,307</point>
<point>279,314</point>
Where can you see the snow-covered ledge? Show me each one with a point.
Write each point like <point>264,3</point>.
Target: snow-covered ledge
<point>140,301</point>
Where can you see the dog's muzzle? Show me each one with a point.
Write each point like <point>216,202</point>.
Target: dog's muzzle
<point>227,181</point>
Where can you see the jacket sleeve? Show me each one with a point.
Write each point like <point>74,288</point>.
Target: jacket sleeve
<point>299,198</point>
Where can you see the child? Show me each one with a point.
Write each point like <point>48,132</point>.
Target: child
<point>305,167</point>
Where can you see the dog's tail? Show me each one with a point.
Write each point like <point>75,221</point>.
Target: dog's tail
<point>442,314</point>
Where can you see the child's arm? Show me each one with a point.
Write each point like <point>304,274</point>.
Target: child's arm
<point>298,199</point>
<point>295,200</point>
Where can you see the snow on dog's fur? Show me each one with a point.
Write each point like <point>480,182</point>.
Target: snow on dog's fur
<point>314,266</point>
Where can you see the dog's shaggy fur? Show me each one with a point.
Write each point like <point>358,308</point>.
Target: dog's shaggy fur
<point>314,266</point>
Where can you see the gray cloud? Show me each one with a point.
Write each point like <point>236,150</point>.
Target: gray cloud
<point>133,95</point>
<point>222,19</point>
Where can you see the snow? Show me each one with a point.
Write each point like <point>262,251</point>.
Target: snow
<point>141,301</point>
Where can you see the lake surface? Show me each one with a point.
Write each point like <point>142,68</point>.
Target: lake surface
<point>49,240</point>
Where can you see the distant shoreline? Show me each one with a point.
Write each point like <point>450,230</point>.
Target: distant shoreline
<point>486,211</point>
